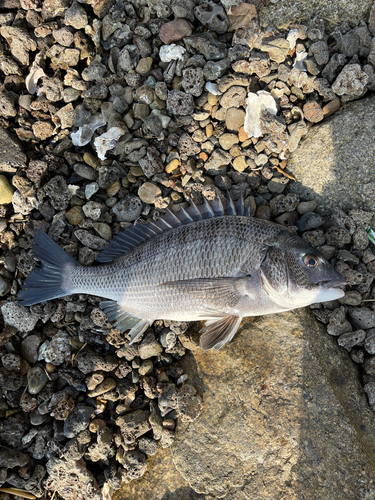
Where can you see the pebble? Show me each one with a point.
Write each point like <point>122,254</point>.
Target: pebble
<point>36,380</point>
<point>127,209</point>
<point>148,192</point>
<point>146,368</point>
<point>6,191</point>
<point>174,30</point>
<point>75,215</point>
<point>19,317</point>
<point>107,385</point>
<point>90,240</point>
<point>239,163</point>
<point>228,140</point>
<point>313,112</point>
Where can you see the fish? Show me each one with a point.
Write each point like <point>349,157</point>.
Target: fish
<point>212,263</point>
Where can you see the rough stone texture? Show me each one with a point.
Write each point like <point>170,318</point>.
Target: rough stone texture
<point>284,414</point>
<point>342,174</point>
<point>11,152</point>
<point>284,13</point>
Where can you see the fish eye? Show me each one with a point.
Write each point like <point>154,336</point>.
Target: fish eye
<point>310,260</point>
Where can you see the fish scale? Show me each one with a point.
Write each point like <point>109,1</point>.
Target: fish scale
<point>196,264</point>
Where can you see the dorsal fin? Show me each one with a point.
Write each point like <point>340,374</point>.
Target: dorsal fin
<point>134,235</point>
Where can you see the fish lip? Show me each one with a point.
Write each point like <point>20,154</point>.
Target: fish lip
<point>333,283</point>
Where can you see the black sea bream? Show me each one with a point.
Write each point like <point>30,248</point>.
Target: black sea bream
<point>210,262</point>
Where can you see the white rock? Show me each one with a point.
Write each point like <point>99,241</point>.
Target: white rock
<point>255,104</point>
<point>84,134</point>
<point>171,52</point>
<point>212,88</point>
<point>91,189</point>
<point>107,141</point>
<point>292,38</point>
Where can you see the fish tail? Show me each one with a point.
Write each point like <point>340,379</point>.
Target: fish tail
<point>52,279</point>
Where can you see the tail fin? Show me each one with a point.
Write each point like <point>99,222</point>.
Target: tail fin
<point>48,281</point>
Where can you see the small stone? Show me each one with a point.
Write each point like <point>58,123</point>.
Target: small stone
<point>12,362</point>
<point>180,103</point>
<point>146,368</point>
<point>90,240</point>
<point>63,36</point>
<point>277,49</point>
<point>242,135</point>
<point>277,185</point>
<point>134,425</point>
<point>350,339</point>
<point>320,51</point>
<point>193,81</point>
<point>313,112</point>
<point>172,165</point>
<point>362,317</point>
<point>85,171</point>
<point>149,347</point>
<point>213,70</point>
<point>19,317</point>
<point>148,192</point>
<point>331,107</point>
<point>174,30</point>
<point>92,209</point>
<point>42,130</point>
<point>107,385</point>
<point>20,43</point>
<point>239,163</point>
<point>6,191</point>
<point>369,343</point>
<point>189,405</point>
<point>57,350</point>
<point>351,82</point>
<point>128,209</point>
<point>7,104</point>
<point>234,120</point>
<point>77,421</point>
<point>75,216</point>
<point>36,380</point>
<point>29,348</point>
<point>148,446</point>
<point>228,140</point>
<point>212,16</point>
<point>337,236</point>
<point>76,16</point>
<point>59,193</point>
<point>152,164</point>
<point>144,66</point>
<point>348,44</point>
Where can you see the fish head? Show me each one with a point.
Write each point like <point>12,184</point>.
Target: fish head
<point>294,274</point>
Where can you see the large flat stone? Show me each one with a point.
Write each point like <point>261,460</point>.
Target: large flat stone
<point>284,12</point>
<point>335,164</point>
<point>284,416</point>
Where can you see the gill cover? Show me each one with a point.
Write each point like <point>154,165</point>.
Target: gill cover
<point>274,276</point>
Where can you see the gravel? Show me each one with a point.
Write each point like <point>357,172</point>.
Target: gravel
<point>134,111</point>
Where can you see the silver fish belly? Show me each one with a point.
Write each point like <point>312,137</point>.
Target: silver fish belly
<point>208,269</point>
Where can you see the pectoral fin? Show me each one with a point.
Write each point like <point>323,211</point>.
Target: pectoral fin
<point>123,320</point>
<point>217,333</point>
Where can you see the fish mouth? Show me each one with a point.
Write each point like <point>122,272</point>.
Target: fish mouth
<point>333,283</point>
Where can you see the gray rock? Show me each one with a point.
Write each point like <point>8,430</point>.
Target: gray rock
<point>180,103</point>
<point>228,452</point>
<point>216,69</point>
<point>19,317</point>
<point>193,81</point>
<point>134,425</point>
<point>89,361</point>
<point>85,171</point>
<point>149,347</point>
<point>59,193</point>
<point>284,13</point>
<point>128,209</point>
<point>362,317</point>
<point>29,348</point>
<point>206,45</point>
<point>36,379</point>
<point>320,52</point>
<point>213,16</point>
<point>336,177</point>
<point>350,339</point>
<point>351,83</point>
<point>335,65</point>
<point>90,240</point>
<point>76,16</point>
<point>78,420</point>
<point>148,446</point>
<point>11,152</point>
<point>12,458</point>
<point>348,44</point>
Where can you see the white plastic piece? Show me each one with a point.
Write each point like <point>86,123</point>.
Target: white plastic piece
<point>84,134</point>
<point>292,38</point>
<point>212,88</point>
<point>171,52</point>
<point>255,104</point>
<point>107,141</point>
<point>32,78</point>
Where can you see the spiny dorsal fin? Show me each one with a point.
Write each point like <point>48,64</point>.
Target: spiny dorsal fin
<point>134,235</point>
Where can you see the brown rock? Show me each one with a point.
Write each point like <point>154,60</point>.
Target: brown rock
<point>75,215</point>
<point>313,112</point>
<point>42,130</point>
<point>11,153</point>
<point>234,119</point>
<point>242,135</point>
<point>331,107</point>
<point>20,43</point>
<point>144,66</point>
<point>175,30</point>
<point>263,212</point>
<point>281,402</point>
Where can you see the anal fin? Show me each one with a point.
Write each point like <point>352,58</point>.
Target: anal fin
<point>123,320</point>
<point>217,333</point>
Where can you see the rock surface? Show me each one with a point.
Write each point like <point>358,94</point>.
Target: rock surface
<point>282,13</point>
<point>343,174</point>
<point>282,417</point>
